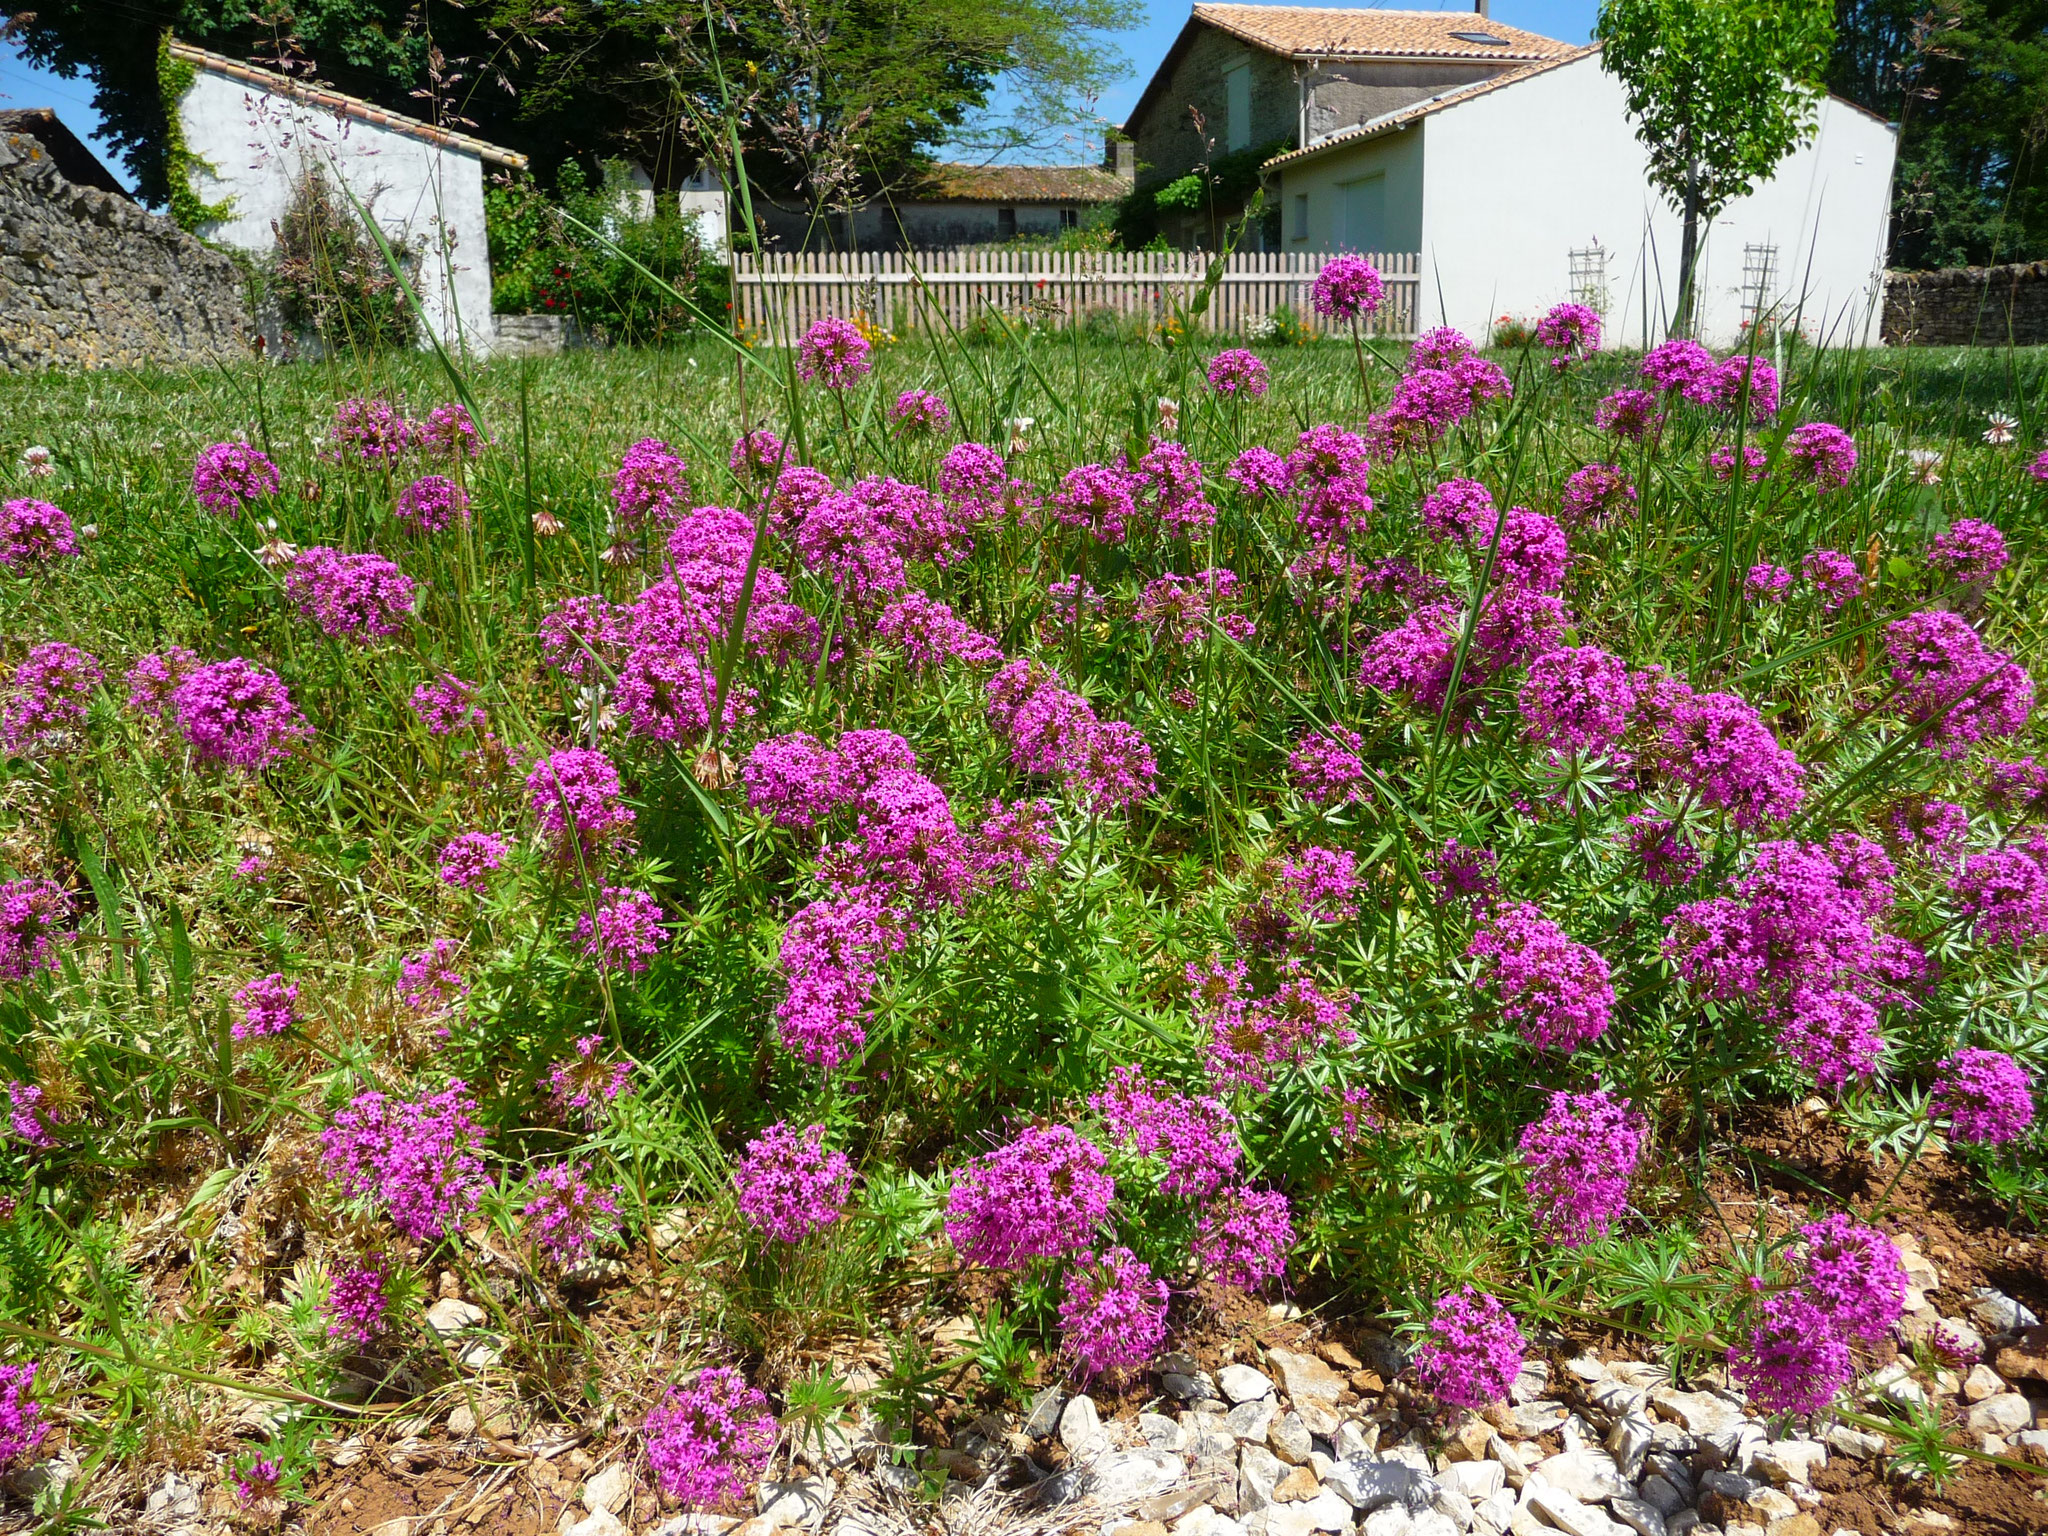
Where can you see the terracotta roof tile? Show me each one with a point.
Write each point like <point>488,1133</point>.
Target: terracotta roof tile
<point>950,183</point>
<point>1302,29</point>
<point>345,106</point>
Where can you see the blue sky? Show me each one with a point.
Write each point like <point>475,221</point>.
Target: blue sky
<point>1572,20</point>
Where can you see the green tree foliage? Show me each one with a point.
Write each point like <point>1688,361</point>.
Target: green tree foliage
<point>1968,84</point>
<point>1721,91</point>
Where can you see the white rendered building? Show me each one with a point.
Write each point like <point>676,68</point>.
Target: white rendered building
<point>253,134</point>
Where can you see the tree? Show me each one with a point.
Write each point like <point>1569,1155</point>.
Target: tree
<point>1721,91</point>
<point>1967,82</point>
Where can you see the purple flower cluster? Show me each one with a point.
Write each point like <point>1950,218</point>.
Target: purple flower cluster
<point>350,597</point>
<point>1953,684</point>
<point>624,931</point>
<point>1767,583</point>
<point>1595,496</point>
<point>21,1416</point>
<point>34,533</point>
<point>1630,414</point>
<point>1727,385</point>
<point>358,1307</point>
<point>469,859</point>
<point>834,353</point>
<point>789,1185</point>
<point>1243,1236</point>
<point>1985,1096</point>
<point>928,632</point>
<point>228,711</point>
<point>1678,365</point>
<point>1969,551</point>
<point>26,1116</point>
<point>1235,372</point>
<point>921,412</point>
<point>568,1216</point>
<point>1098,500</point>
<point>447,705</point>
<point>431,504</point>
<point>1055,731</point>
<point>48,694</point>
<point>1114,1313</point>
<point>1824,454</point>
<point>228,477</point>
<point>1552,988</point>
<point>1194,1137</point>
<point>1327,768</point>
<point>1721,463</point>
<point>1578,699</point>
<point>1474,1350</point>
<point>32,918</point>
<point>369,431</point>
<point>1346,288</point>
<point>1834,577</point>
<point>1569,332</point>
<point>428,981</point>
<point>447,432</point>
<point>1039,1196</point>
<point>830,961</point>
<point>1853,1273</point>
<point>585,1083</point>
<point>418,1159</point>
<point>708,1444</point>
<point>651,482</point>
<point>1579,1158</point>
<point>1251,1037</point>
<point>575,797</point>
<point>1793,1362</point>
<point>270,1006</point>
<point>2003,893</point>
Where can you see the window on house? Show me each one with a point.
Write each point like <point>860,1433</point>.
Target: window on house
<point>1300,231</point>
<point>1237,106</point>
<point>1070,218</point>
<point>1364,225</point>
<point>1006,223</point>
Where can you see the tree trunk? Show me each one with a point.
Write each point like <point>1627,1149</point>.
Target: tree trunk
<point>1688,257</point>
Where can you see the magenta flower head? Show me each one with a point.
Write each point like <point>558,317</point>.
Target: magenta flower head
<point>1794,1362</point>
<point>229,477</point>
<point>368,431</point>
<point>233,713</point>
<point>1577,699</point>
<point>34,533</point>
<point>1983,1095</point>
<point>1096,499</point>
<point>1595,495</point>
<point>708,1443</point>
<point>470,859</point>
<point>358,1305</point>
<point>1346,288</point>
<point>1192,1137</point>
<point>1237,372</point>
<point>1555,990</point>
<point>1326,767</point>
<point>568,1216</point>
<point>1579,1159</point>
<point>1853,1273</point>
<point>1473,1352</point>
<point>789,1185</point>
<point>834,353</point>
<point>920,412</point>
<point>32,917</point>
<point>1260,472</point>
<point>270,1006</point>
<point>756,455</point>
<point>587,1082</point>
<point>973,472</point>
<point>1732,383</point>
<point>431,503</point>
<point>575,797</point>
<point>428,982</point>
<point>1243,1236</point>
<point>1678,364</point>
<point>447,705</point>
<point>1040,1196</point>
<point>624,932</point>
<point>1823,453</point>
<point>1721,463</point>
<point>1767,583</point>
<point>1630,414</point>
<point>48,695</point>
<point>2039,468</point>
<point>1114,1314</point>
<point>1970,551</point>
<point>350,597</point>
<point>1444,347</point>
<point>651,482</point>
<point>1569,332</point>
<point>418,1159</point>
<point>1951,680</point>
<point>448,431</point>
<point>21,1416</point>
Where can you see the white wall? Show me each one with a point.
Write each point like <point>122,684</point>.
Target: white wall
<point>258,143</point>
<point>1514,180</point>
<point>1397,156</point>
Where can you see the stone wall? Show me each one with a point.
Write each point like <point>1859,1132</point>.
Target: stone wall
<point>89,280</point>
<point>1968,306</point>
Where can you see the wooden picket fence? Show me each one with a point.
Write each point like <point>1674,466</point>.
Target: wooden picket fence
<point>780,295</point>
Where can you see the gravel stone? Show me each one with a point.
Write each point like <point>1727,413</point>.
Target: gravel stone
<point>1290,1439</point>
<point>1369,1485</point>
<point>1081,1429</point>
<point>1642,1518</point>
<point>2006,1414</point>
<point>1982,1382</point>
<point>1044,1418</point>
<point>1305,1378</point>
<point>1995,1310</point>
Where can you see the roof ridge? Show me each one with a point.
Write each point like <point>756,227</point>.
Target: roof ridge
<point>345,105</point>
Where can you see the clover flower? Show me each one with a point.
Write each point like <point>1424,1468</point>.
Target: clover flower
<point>229,477</point>
<point>1985,1096</point>
<point>1193,1136</point>
<point>1824,453</point>
<point>834,353</point>
<point>1473,1352</point>
<point>1326,767</point>
<point>350,597</point>
<point>1569,331</point>
<point>1346,288</point>
<point>575,797</point>
<point>650,482</point>
<point>1552,988</point>
<point>708,1444</point>
<point>37,462</point>
<point>1243,1236</point>
<point>1577,699</point>
<point>1114,1313</point>
<point>789,1185</point>
<point>1969,551</point>
<point>1854,1275</point>
<point>1579,1159</point>
<point>32,917</point>
<point>431,504</point>
<point>624,932</point>
<point>48,695</point>
<point>1793,1362</point>
<point>1041,1195</point>
<point>270,1006</point>
<point>34,533</point>
<point>568,1217</point>
<point>370,431</point>
<point>418,1159</point>
<point>469,859</point>
<point>1236,372</point>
